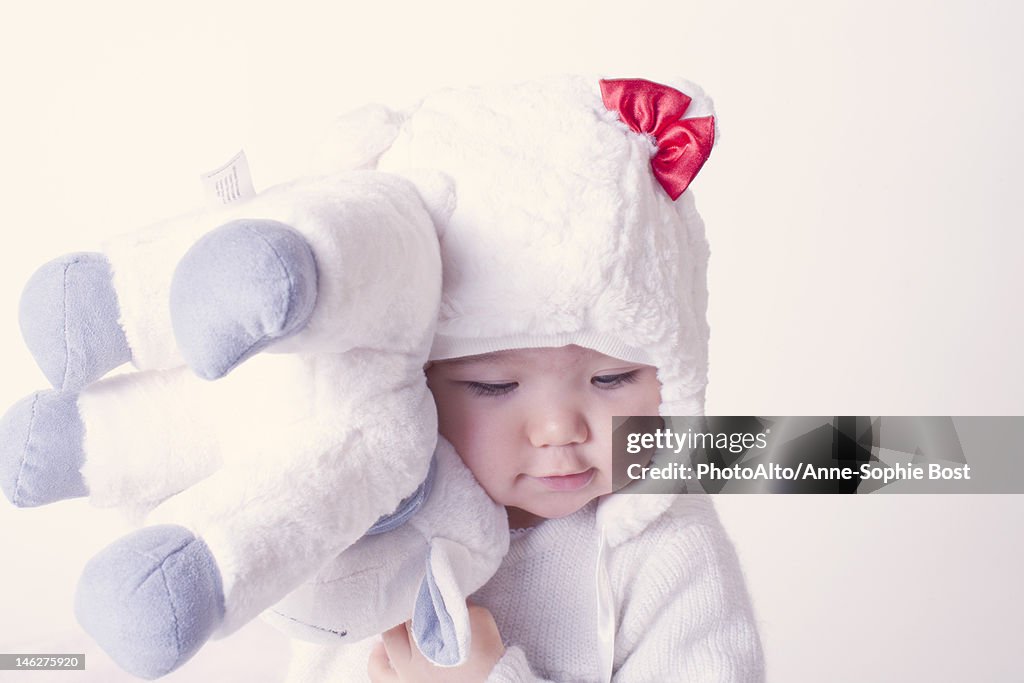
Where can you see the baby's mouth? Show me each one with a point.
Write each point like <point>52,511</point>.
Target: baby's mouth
<point>568,482</point>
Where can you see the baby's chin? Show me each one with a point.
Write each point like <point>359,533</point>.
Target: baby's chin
<point>559,506</point>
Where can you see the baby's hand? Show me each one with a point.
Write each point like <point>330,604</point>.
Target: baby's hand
<point>397,660</point>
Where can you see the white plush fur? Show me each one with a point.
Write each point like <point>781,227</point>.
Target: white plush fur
<point>357,139</point>
<point>561,233</point>
<point>371,235</point>
<point>370,587</point>
<point>287,461</point>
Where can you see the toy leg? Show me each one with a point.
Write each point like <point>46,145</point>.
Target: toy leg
<point>41,450</point>
<point>373,584</point>
<point>333,264</point>
<point>151,599</point>
<point>68,317</point>
<point>251,535</point>
<point>321,266</point>
<point>129,440</point>
<point>148,435</point>
<point>289,501</point>
<point>240,288</point>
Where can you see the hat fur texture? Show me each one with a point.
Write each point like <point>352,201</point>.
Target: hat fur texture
<point>560,234</point>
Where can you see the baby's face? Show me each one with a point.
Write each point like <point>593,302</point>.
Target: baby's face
<point>535,425</point>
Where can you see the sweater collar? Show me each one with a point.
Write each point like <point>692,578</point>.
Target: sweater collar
<point>626,515</point>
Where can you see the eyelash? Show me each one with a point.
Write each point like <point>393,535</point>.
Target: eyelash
<point>603,382</point>
<point>614,381</point>
<point>484,389</point>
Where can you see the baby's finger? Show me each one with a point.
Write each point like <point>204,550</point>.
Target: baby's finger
<point>399,650</point>
<point>379,666</point>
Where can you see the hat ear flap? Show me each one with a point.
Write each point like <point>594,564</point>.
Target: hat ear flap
<point>357,139</point>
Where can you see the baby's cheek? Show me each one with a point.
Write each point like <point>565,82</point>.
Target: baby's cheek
<point>451,414</point>
<point>469,439</point>
<point>494,480</point>
<point>650,397</point>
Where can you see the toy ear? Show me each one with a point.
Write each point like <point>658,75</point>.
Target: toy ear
<point>357,139</point>
<point>440,621</point>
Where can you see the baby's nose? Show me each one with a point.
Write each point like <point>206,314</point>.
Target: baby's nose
<point>552,425</point>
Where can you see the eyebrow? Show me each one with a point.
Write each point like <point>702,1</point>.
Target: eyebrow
<point>492,357</point>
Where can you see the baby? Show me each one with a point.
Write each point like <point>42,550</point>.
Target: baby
<point>575,290</point>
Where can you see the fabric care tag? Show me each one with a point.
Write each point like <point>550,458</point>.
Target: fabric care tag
<point>230,182</point>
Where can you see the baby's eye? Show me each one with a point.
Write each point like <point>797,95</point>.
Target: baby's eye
<point>491,388</point>
<point>614,381</point>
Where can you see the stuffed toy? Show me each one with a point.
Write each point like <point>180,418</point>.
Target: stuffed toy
<point>309,481</point>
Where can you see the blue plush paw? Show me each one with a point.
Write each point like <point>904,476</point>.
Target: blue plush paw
<point>68,317</point>
<point>41,449</point>
<point>151,599</point>
<point>240,288</point>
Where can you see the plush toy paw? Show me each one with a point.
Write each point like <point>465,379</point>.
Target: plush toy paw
<point>41,449</point>
<point>151,599</point>
<point>240,288</point>
<point>69,319</point>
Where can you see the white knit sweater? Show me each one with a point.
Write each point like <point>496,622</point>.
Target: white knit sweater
<point>682,609</point>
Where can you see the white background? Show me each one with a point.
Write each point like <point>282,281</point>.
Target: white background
<point>862,211</point>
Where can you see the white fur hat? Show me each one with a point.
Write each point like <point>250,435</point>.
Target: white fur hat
<point>564,230</point>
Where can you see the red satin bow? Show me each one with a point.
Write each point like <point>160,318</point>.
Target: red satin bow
<point>654,109</point>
